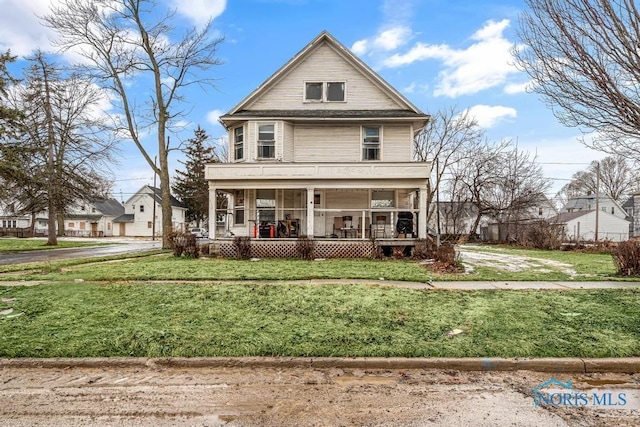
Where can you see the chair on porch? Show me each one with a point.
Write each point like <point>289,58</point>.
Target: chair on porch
<point>380,227</point>
<point>338,225</point>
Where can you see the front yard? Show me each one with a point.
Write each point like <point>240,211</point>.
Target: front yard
<point>120,306</point>
<point>137,319</point>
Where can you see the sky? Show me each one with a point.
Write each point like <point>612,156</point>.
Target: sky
<point>440,54</point>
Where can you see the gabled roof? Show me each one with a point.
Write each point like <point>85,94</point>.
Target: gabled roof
<point>324,38</point>
<point>156,193</point>
<point>565,217</point>
<point>109,207</point>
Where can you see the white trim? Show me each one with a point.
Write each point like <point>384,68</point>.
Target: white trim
<point>380,140</point>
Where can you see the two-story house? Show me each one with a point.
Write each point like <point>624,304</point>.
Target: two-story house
<point>143,214</point>
<point>581,221</point>
<point>323,149</point>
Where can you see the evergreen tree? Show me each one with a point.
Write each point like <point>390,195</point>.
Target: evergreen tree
<point>190,185</point>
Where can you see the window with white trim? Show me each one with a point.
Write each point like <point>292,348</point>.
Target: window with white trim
<point>266,141</point>
<point>371,143</point>
<point>325,91</point>
<point>238,143</point>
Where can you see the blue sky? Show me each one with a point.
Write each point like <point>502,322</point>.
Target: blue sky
<point>438,53</point>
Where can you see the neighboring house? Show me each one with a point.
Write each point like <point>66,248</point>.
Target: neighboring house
<point>589,202</point>
<point>138,218</point>
<point>543,209</point>
<point>323,148</point>
<point>580,225</point>
<point>632,208</point>
<point>12,224</point>
<point>93,219</point>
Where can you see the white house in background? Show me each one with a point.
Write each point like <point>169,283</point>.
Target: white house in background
<point>580,225</point>
<point>589,202</point>
<point>138,218</point>
<point>92,219</point>
<point>323,149</point>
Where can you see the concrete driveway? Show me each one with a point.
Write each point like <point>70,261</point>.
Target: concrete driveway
<point>119,246</point>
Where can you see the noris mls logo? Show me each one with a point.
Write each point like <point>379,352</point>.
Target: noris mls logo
<point>557,393</point>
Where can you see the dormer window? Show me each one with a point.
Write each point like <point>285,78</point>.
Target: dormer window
<point>325,92</point>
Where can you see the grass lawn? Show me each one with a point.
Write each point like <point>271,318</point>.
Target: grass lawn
<point>541,265</point>
<point>18,245</point>
<point>149,320</point>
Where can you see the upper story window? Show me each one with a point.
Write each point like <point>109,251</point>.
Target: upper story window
<point>371,143</point>
<point>238,143</point>
<point>313,91</point>
<point>335,91</point>
<point>325,92</point>
<point>266,141</point>
<point>141,208</point>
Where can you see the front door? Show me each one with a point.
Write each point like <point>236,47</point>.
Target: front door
<point>123,228</point>
<point>318,214</point>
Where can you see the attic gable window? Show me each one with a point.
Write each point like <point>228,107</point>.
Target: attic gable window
<point>313,92</point>
<point>324,92</point>
<point>335,91</point>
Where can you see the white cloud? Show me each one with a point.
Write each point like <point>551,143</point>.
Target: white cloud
<point>482,65</point>
<point>360,47</point>
<point>213,116</point>
<point>488,116</point>
<point>385,40</point>
<point>392,38</point>
<point>20,28</point>
<point>200,11</point>
<point>515,88</point>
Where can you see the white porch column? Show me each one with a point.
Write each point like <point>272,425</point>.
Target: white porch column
<point>212,213</point>
<point>422,214</point>
<point>310,212</point>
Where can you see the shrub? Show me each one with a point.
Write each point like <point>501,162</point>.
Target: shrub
<point>447,254</point>
<point>184,244</point>
<point>424,249</point>
<point>306,248</point>
<point>626,257</point>
<point>242,245</point>
<point>541,235</point>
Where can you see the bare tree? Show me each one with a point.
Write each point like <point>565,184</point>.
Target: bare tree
<point>582,57</point>
<point>125,40</point>
<point>449,137</point>
<point>62,151</point>
<point>618,179</point>
<point>517,186</point>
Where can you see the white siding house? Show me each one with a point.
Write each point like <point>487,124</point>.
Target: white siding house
<point>324,148</point>
<point>138,218</point>
<point>580,226</point>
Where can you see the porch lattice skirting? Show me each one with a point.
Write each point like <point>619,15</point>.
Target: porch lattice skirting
<point>287,249</point>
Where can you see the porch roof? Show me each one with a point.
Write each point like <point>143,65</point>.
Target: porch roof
<point>327,175</point>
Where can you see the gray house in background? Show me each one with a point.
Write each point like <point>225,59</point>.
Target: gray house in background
<point>632,208</point>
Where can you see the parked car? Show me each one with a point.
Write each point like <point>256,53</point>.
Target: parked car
<point>200,233</point>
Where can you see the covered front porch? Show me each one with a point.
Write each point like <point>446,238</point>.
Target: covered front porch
<point>319,201</point>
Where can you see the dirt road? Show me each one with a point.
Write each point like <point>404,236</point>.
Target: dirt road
<point>156,397</point>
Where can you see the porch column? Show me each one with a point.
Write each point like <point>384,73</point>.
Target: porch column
<point>310,212</point>
<point>213,214</point>
<point>422,214</point>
